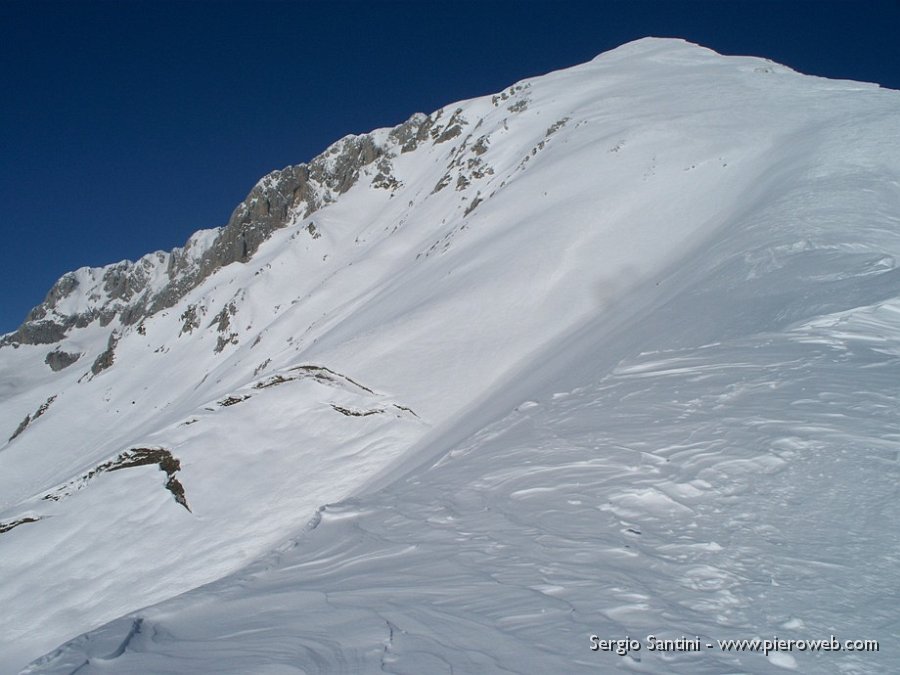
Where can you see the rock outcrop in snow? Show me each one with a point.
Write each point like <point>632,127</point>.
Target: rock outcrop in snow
<point>131,291</point>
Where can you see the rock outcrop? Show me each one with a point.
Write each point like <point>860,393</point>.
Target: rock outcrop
<point>58,359</point>
<point>131,291</point>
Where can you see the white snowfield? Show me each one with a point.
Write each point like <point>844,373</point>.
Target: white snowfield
<point>636,373</point>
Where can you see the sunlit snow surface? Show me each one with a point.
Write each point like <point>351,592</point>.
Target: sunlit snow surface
<point>654,383</point>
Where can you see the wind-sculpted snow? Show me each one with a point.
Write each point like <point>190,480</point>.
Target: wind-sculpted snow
<point>712,490</point>
<point>243,467</point>
<point>612,352</point>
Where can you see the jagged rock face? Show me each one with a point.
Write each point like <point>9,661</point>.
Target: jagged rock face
<point>39,332</point>
<point>125,290</point>
<point>107,357</point>
<point>131,291</point>
<point>300,189</point>
<point>23,425</point>
<point>266,208</point>
<point>58,360</point>
<point>60,290</point>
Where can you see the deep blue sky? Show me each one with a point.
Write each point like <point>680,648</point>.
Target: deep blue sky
<point>126,126</point>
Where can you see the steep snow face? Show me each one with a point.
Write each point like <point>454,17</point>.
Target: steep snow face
<point>711,490</point>
<point>562,359</point>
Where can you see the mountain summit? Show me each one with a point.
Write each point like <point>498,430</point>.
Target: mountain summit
<point>612,351</point>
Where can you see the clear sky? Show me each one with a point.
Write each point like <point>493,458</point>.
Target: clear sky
<point>126,126</point>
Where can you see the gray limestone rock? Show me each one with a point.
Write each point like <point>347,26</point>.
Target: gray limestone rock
<point>442,183</point>
<point>108,356</point>
<point>42,332</point>
<point>31,418</point>
<point>190,319</point>
<point>222,320</point>
<point>451,130</point>
<point>22,426</point>
<point>58,359</point>
<point>406,135</point>
<point>124,292</point>
<point>481,145</point>
<point>224,340</point>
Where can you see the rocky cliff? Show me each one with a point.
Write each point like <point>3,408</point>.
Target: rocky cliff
<point>131,291</point>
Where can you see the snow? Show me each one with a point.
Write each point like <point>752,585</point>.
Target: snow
<point>647,386</point>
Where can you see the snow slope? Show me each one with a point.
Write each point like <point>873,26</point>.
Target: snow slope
<point>618,358</point>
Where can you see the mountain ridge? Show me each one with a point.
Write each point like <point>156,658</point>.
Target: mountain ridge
<point>270,204</point>
<point>540,259</point>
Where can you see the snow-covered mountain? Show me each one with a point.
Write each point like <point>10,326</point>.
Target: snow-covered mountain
<point>613,352</point>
